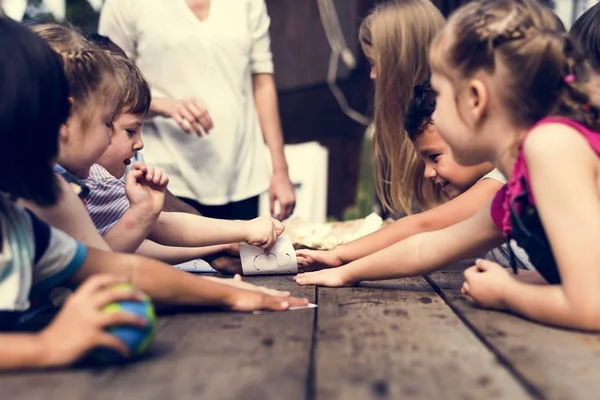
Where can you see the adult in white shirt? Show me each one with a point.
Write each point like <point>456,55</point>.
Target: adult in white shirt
<point>210,67</point>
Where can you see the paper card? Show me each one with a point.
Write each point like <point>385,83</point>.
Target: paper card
<point>198,265</point>
<point>281,259</point>
<point>306,307</point>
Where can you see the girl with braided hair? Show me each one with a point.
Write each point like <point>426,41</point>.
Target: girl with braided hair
<point>513,91</point>
<point>420,166</point>
<point>64,100</point>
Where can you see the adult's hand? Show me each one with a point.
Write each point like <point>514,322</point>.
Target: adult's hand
<point>190,114</point>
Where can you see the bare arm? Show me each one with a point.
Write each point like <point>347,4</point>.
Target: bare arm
<point>173,204</point>
<point>169,286</point>
<point>70,215</point>
<point>265,98</point>
<point>145,189</point>
<point>163,284</point>
<point>458,209</point>
<point>417,255</point>
<point>564,175</point>
<point>130,231</point>
<point>430,251</point>
<point>177,255</point>
<point>79,327</point>
<point>185,230</point>
<point>18,351</point>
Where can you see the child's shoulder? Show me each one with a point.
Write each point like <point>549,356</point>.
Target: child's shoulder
<point>553,138</point>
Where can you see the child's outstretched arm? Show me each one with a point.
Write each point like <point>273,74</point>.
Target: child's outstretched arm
<point>168,286</point>
<point>177,255</point>
<point>458,209</point>
<point>78,328</point>
<point>564,173</point>
<point>416,255</point>
<point>173,204</point>
<point>185,230</point>
<point>70,215</point>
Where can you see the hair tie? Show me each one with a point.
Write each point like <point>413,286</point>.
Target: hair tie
<point>586,107</point>
<point>569,78</point>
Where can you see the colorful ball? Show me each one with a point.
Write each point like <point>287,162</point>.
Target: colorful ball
<point>137,339</point>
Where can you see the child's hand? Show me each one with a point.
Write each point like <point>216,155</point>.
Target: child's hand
<point>145,187</point>
<point>253,300</point>
<point>312,260</point>
<point>485,284</point>
<point>79,327</point>
<point>334,277</point>
<point>263,232</point>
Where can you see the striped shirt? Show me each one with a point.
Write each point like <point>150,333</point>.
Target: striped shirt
<point>107,201</point>
<point>34,259</point>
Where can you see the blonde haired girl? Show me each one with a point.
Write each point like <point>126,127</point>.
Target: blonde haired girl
<point>395,37</point>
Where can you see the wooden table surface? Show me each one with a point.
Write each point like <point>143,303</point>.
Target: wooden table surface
<point>413,338</point>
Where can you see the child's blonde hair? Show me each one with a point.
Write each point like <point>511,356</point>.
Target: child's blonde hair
<point>397,35</point>
<point>543,71</point>
<point>89,70</point>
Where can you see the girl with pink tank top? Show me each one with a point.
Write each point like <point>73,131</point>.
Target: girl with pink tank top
<point>514,89</point>
<point>514,213</point>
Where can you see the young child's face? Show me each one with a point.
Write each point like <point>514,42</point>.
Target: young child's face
<point>126,141</point>
<point>449,124</point>
<point>84,144</point>
<point>440,166</point>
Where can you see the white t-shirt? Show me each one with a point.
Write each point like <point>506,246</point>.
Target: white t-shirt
<point>495,174</point>
<point>213,61</point>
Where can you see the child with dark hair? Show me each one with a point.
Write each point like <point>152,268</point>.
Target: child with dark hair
<point>515,90</point>
<point>467,189</point>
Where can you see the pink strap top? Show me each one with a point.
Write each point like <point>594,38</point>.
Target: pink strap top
<point>500,209</point>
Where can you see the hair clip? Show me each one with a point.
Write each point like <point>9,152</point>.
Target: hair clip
<point>586,107</point>
<point>569,78</point>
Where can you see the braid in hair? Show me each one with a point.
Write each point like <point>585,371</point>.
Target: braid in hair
<point>89,70</point>
<point>575,101</point>
<point>85,69</point>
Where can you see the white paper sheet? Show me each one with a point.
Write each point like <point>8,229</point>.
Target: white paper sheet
<point>281,259</point>
<point>306,307</point>
<point>198,265</point>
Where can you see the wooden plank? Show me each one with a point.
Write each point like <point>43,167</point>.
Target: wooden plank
<point>57,385</point>
<point>227,355</point>
<point>554,363</point>
<point>373,342</point>
<point>208,355</point>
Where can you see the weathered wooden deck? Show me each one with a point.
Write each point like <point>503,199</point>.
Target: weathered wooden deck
<point>414,338</point>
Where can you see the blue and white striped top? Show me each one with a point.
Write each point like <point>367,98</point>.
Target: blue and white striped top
<point>34,259</point>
